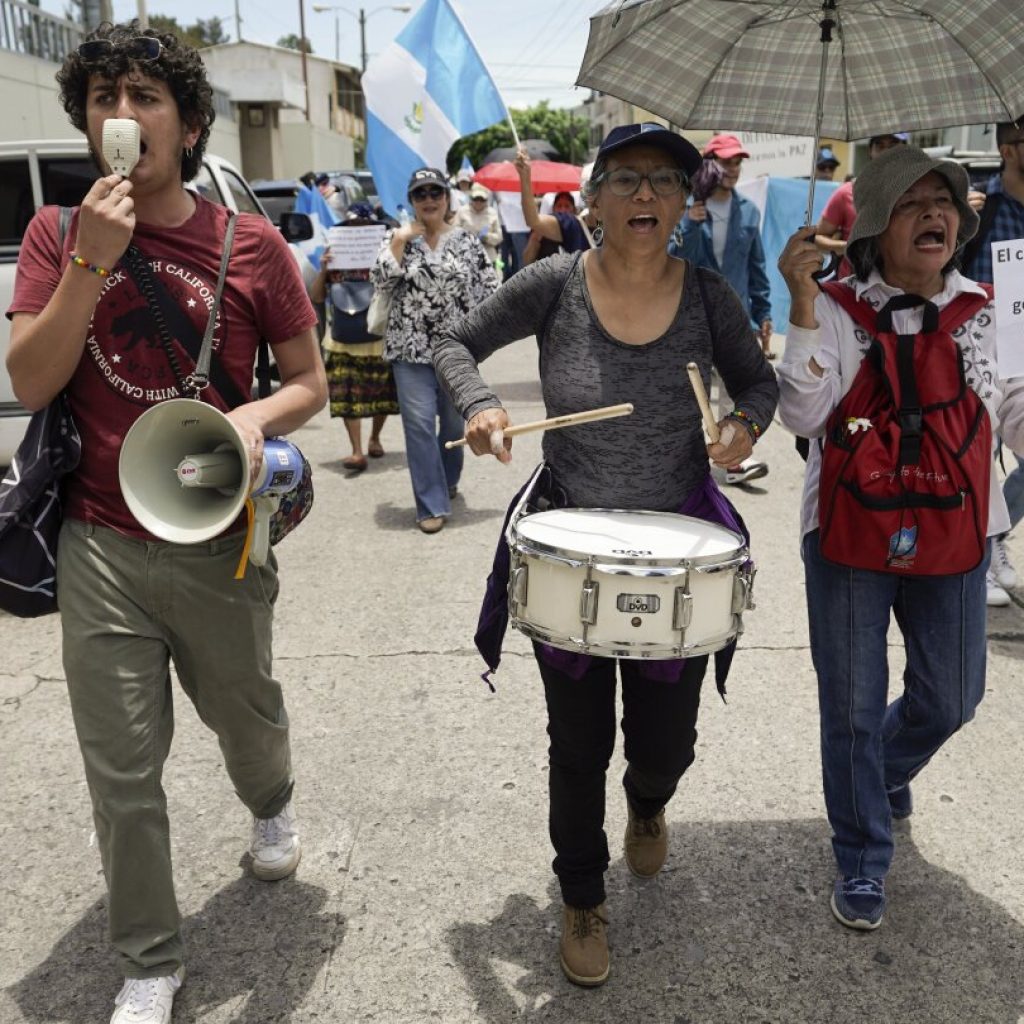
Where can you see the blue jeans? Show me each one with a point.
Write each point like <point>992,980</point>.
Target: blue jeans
<point>421,401</point>
<point>869,749</point>
<point>1013,492</point>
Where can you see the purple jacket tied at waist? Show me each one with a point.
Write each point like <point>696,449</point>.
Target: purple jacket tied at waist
<point>705,502</point>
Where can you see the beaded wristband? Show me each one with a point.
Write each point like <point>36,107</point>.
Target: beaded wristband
<point>746,420</point>
<point>91,267</point>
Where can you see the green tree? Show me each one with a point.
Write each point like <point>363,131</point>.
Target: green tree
<point>202,33</point>
<point>569,135</point>
<point>293,42</point>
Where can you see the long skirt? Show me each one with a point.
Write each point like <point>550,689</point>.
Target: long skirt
<point>360,386</point>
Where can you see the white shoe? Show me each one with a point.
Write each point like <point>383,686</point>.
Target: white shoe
<point>147,1000</point>
<point>751,469</point>
<point>274,847</point>
<point>995,596</point>
<point>1001,567</point>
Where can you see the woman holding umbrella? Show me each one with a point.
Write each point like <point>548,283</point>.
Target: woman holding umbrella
<point>912,221</point>
<point>617,323</point>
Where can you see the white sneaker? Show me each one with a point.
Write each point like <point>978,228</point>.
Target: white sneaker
<point>274,846</point>
<point>995,596</point>
<point>751,469</point>
<point>147,1000</point>
<point>1001,566</point>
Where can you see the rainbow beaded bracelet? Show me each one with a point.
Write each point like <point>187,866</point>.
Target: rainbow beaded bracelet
<point>747,421</point>
<point>91,267</point>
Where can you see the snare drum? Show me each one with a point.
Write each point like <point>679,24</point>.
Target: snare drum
<point>628,584</point>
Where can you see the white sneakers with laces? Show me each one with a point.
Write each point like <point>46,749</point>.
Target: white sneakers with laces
<point>1001,567</point>
<point>995,595</point>
<point>147,1000</point>
<point>274,846</point>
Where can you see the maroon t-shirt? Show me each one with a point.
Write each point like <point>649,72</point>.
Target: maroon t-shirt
<point>124,369</point>
<point>839,210</point>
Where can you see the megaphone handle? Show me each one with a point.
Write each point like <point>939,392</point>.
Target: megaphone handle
<point>264,509</point>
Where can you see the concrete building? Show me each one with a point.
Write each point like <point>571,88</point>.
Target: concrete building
<point>267,88</point>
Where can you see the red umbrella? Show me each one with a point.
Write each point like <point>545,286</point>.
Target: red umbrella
<point>547,175</point>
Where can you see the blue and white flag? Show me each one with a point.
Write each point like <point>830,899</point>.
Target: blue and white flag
<point>429,88</point>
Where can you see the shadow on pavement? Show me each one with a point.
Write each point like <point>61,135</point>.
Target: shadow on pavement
<point>255,946</point>
<point>737,929</point>
<point>402,517</point>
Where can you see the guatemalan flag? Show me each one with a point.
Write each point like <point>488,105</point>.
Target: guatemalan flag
<point>429,88</point>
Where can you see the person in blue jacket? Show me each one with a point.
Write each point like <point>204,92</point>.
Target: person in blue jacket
<point>722,230</point>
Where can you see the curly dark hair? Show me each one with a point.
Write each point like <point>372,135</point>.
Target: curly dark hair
<point>179,65</point>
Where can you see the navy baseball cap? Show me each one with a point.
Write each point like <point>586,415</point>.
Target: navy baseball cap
<point>826,156</point>
<point>649,133</point>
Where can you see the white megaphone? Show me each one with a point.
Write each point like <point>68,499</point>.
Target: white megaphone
<point>184,473</point>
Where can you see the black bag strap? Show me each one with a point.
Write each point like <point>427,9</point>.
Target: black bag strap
<point>207,369</point>
<point>702,285</point>
<point>988,217</point>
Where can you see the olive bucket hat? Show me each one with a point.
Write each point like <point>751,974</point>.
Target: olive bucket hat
<point>877,188</point>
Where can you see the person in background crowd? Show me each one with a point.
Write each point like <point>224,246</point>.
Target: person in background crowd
<point>825,168</point>
<point>434,273</point>
<point>559,229</point>
<point>724,233</point>
<point>912,220</point>
<point>480,218</point>
<point>360,382</point>
<point>624,320</point>
<point>463,184</point>
<point>334,199</point>
<point>131,603</point>
<point>1002,218</point>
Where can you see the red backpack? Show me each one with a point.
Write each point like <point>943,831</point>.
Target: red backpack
<point>907,453</point>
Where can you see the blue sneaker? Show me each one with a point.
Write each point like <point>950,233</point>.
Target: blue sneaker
<point>859,902</point>
<point>901,803</point>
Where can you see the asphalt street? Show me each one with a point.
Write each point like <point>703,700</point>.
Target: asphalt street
<point>425,891</point>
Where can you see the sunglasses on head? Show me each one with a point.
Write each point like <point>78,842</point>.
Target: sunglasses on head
<point>427,192</point>
<point>139,48</point>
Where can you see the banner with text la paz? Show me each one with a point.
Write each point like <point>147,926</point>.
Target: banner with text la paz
<point>429,88</point>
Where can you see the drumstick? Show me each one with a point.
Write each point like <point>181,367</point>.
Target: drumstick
<point>702,400</point>
<point>557,422</point>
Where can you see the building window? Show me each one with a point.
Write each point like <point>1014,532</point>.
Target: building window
<point>256,117</point>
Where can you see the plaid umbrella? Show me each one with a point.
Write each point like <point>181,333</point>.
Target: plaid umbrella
<point>752,65</point>
<point>749,65</point>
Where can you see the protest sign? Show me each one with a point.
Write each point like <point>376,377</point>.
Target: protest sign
<point>1008,282</point>
<point>354,248</point>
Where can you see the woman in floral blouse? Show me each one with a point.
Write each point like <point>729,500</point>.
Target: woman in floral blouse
<point>434,274</point>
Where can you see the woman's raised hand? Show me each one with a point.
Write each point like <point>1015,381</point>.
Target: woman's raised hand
<point>485,434</point>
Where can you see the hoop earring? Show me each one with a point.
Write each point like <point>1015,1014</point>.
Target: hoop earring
<point>598,234</point>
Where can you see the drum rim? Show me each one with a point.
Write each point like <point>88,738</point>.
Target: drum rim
<point>537,547</point>
<point>623,649</point>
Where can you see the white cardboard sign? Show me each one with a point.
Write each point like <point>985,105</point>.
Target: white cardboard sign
<point>1008,282</point>
<point>354,248</point>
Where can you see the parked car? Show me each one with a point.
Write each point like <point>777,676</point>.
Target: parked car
<point>40,173</point>
<point>980,165</point>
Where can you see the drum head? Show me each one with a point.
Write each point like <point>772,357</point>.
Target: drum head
<point>625,536</point>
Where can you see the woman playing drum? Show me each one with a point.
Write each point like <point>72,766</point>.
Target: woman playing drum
<point>618,324</point>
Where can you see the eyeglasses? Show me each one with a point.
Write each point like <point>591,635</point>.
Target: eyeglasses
<point>479,199</point>
<point>139,48</point>
<point>664,181</point>
<point>417,195</point>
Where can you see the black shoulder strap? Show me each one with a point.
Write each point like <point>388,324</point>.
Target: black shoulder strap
<point>549,315</point>
<point>63,223</point>
<point>988,216</point>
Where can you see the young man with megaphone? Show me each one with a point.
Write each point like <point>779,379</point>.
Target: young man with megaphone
<point>131,603</point>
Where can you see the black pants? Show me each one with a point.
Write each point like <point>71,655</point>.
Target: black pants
<point>659,726</point>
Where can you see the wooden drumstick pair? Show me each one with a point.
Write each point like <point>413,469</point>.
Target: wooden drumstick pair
<point>607,412</point>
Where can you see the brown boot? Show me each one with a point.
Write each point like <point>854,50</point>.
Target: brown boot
<point>646,844</point>
<point>584,946</point>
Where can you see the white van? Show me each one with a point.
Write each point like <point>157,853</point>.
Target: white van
<point>43,173</point>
